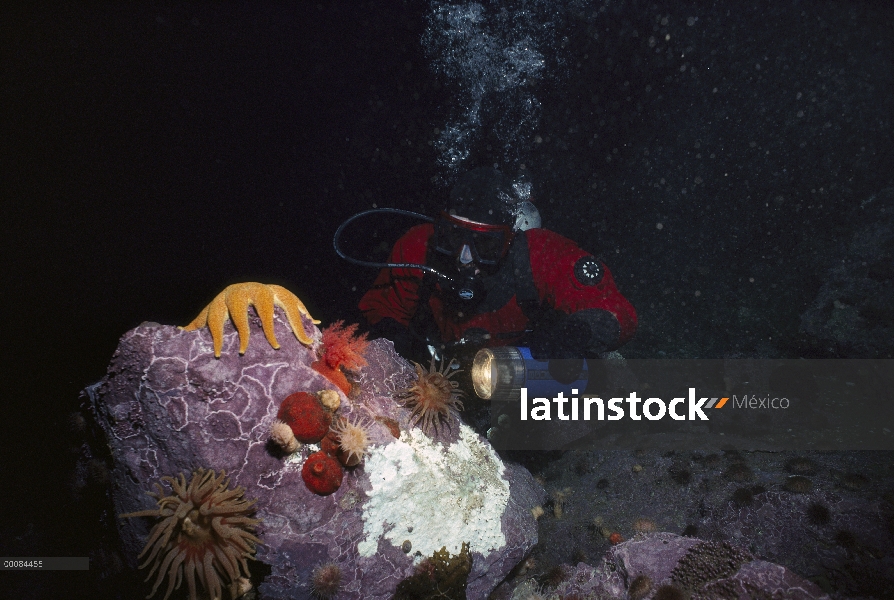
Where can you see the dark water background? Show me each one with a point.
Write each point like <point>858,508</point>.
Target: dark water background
<point>719,157</point>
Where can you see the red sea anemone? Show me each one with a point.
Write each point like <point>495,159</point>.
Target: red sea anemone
<point>204,532</point>
<point>329,444</point>
<point>342,350</point>
<point>433,398</point>
<point>306,415</point>
<point>321,473</point>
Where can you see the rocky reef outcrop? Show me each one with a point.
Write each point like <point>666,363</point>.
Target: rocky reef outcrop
<point>167,406</point>
<point>823,517</point>
<point>852,315</point>
<point>665,565</point>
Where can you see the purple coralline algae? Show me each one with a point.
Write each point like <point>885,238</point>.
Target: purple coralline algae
<point>167,406</point>
<point>697,569</point>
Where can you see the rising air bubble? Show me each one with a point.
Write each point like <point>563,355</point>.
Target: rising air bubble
<point>494,58</point>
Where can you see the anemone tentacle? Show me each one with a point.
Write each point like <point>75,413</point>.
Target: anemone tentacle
<point>204,531</point>
<point>434,399</point>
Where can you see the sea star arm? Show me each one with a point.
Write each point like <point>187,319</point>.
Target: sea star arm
<point>218,313</point>
<point>200,321</point>
<point>293,307</point>
<point>233,303</point>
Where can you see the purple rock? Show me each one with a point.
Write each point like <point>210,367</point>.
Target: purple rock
<point>668,559</point>
<point>168,406</point>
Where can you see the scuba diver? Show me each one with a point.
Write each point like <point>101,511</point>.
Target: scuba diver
<point>484,274</point>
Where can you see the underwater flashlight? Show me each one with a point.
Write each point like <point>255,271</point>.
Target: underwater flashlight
<point>499,374</point>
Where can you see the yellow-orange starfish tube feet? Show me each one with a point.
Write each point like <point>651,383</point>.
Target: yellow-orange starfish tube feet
<point>233,303</point>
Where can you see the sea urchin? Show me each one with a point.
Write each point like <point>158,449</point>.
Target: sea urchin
<point>433,398</point>
<point>325,580</point>
<point>204,531</point>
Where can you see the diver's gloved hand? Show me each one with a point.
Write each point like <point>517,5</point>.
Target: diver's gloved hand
<point>562,344</point>
<point>565,340</point>
<point>603,327</point>
<point>560,338</point>
<point>577,335</point>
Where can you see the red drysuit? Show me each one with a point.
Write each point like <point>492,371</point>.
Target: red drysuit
<point>543,270</point>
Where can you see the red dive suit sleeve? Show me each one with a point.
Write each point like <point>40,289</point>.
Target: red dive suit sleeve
<point>553,260</point>
<point>395,292</point>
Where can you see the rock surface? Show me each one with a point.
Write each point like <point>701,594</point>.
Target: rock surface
<point>853,313</point>
<point>836,534</point>
<point>168,406</point>
<point>700,570</point>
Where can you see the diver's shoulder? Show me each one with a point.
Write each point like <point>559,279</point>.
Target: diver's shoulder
<point>540,237</point>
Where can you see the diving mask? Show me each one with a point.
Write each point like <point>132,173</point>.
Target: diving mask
<point>487,244</point>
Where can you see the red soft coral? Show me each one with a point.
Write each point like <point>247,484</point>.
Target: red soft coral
<point>342,347</point>
<point>342,350</point>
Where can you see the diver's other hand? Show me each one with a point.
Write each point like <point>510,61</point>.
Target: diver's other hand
<point>586,332</point>
<point>559,337</point>
<point>233,303</point>
<point>565,340</point>
<point>560,342</point>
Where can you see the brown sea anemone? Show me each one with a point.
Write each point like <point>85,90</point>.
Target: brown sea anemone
<point>433,398</point>
<point>204,531</point>
<point>353,440</point>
